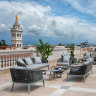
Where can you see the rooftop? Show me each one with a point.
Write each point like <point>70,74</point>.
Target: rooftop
<point>53,87</point>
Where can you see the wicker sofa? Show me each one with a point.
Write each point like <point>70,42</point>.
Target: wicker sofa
<point>32,63</point>
<point>21,75</point>
<point>81,70</point>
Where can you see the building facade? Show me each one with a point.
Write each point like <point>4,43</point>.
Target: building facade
<point>16,35</point>
<point>85,44</point>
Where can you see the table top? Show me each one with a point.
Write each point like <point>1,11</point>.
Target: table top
<point>53,70</point>
<point>56,69</point>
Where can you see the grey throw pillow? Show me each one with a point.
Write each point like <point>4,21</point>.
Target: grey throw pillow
<point>90,60</point>
<point>86,63</point>
<point>28,61</point>
<point>20,62</point>
<point>37,60</point>
<point>66,59</point>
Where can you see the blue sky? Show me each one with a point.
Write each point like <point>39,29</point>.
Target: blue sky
<point>53,21</point>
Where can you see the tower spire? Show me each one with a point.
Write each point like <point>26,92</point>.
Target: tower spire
<point>16,18</point>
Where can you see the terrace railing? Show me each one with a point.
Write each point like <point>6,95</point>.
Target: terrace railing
<point>8,57</point>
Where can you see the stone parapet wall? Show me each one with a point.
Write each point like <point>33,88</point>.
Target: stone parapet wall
<point>8,57</point>
<point>78,52</point>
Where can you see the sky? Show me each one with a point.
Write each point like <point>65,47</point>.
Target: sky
<point>53,21</point>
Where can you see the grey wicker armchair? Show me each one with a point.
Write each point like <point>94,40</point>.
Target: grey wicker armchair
<point>25,76</point>
<point>66,62</point>
<point>81,70</point>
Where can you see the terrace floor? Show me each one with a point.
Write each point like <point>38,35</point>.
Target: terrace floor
<point>54,87</point>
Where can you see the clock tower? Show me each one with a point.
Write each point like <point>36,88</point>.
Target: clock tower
<point>16,35</point>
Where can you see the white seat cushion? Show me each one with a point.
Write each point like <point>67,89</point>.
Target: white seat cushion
<point>37,60</point>
<point>28,61</point>
<point>37,66</point>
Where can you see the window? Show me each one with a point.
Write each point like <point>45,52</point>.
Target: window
<point>19,45</point>
<point>18,35</point>
<point>13,35</point>
<point>13,45</point>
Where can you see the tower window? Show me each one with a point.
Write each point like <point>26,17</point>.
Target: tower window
<point>18,35</point>
<point>19,45</point>
<point>13,45</point>
<point>13,35</point>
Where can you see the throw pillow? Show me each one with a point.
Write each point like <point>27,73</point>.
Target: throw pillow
<point>28,61</point>
<point>20,62</point>
<point>66,59</point>
<point>37,60</point>
<point>90,60</point>
<point>86,63</point>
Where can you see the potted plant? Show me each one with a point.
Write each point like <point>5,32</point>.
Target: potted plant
<point>45,50</point>
<point>72,47</point>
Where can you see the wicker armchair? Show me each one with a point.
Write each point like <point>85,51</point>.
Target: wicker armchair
<point>25,76</point>
<point>81,70</point>
<point>65,63</point>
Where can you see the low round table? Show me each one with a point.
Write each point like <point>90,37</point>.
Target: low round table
<point>56,71</point>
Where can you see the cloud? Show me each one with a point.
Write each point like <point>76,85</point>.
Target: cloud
<point>39,20</point>
<point>85,6</point>
<point>3,28</point>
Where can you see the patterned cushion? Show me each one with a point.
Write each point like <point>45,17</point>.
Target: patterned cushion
<point>37,60</point>
<point>28,61</point>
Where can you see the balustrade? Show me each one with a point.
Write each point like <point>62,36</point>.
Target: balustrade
<point>8,58</point>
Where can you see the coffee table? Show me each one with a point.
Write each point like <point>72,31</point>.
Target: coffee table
<point>56,71</point>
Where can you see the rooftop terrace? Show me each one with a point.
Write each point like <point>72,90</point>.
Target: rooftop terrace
<point>53,87</point>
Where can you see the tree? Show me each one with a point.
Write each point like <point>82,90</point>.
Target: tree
<point>3,43</point>
<point>44,49</point>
